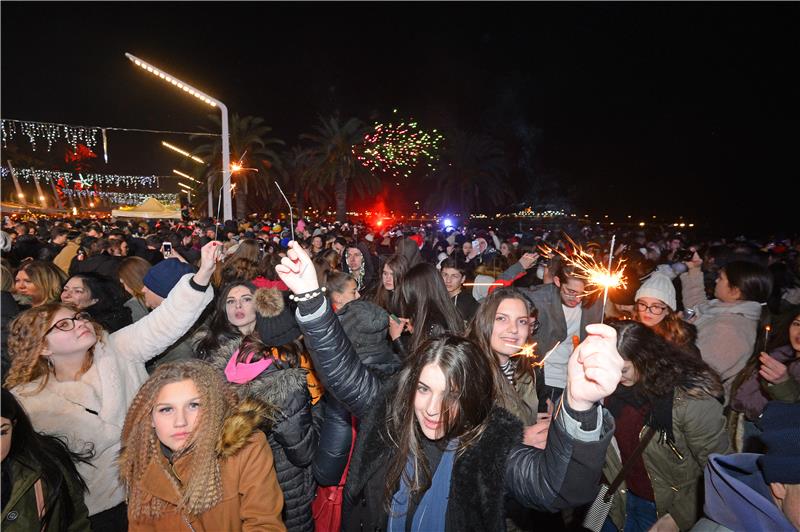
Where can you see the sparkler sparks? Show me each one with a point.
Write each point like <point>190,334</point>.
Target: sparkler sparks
<point>597,277</point>
<point>529,351</point>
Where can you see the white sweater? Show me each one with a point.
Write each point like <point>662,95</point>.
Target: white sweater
<point>62,408</point>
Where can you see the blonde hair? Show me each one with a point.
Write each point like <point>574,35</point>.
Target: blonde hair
<point>48,277</point>
<point>131,272</point>
<point>27,342</point>
<point>202,489</point>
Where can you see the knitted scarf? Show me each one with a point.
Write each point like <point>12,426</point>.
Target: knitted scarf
<point>432,509</point>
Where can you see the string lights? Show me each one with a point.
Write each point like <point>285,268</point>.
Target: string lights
<point>122,198</point>
<point>85,180</point>
<point>50,133</point>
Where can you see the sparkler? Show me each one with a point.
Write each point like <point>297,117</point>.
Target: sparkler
<point>527,351</point>
<point>291,216</point>
<point>767,329</point>
<point>482,284</point>
<point>595,276</point>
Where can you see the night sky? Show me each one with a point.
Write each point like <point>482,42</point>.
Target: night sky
<point>681,109</point>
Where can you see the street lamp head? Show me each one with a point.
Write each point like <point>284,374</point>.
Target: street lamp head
<point>172,80</point>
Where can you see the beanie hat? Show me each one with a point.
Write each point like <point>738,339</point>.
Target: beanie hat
<point>780,423</point>
<point>660,287</point>
<point>163,277</point>
<point>275,324</point>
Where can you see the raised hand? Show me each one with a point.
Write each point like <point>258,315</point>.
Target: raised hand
<point>528,259</point>
<point>297,271</point>
<point>209,255</point>
<point>772,370</point>
<point>594,368</point>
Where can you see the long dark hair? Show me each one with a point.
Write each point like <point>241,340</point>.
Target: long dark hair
<point>51,454</point>
<point>482,324</point>
<point>422,297</point>
<point>399,266</point>
<point>660,364</point>
<point>220,330</point>
<point>465,409</point>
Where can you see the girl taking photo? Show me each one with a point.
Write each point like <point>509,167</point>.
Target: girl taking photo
<point>192,457</point>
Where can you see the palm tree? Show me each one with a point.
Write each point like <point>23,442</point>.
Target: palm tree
<point>472,175</point>
<point>249,143</point>
<point>334,162</point>
<point>300,180</point>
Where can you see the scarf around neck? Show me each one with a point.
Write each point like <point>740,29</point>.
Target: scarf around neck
<point>432,509</point>
<point>658,413</point>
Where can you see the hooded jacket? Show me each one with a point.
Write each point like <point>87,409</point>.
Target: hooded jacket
<point>563,475</point>
<point>294,435</point>
<point>91,410</point>
<point>738,498</point>
<point>676,469</point>
<point>726,332</point>
<point>251,496</point>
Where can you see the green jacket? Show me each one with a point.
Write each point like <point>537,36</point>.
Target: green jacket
<point>521,399</point>
<point>676,471</point>
<point>21,513</point>
<point>788,391</point>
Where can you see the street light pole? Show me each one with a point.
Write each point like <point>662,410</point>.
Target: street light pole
<point>226,157</point>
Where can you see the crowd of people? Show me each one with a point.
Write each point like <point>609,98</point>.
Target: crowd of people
<point>165,375</point>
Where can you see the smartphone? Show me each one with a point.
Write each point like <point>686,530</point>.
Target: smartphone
<point>395,318</point>
<point>166,249</point>
<point>688,314</point>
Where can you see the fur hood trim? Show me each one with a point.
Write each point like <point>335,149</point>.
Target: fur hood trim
<point>700,385</point>
<point>245,419</point>
<point>269,302</point>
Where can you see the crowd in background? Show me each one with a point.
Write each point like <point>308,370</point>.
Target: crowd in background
<point>246,375</point>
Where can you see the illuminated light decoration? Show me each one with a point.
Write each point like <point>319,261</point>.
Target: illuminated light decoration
<point>185,186</point>
<point>51,133</point>
<point>396,150</point>
<point>190,178</point>
<point>182,152</point>
<point>144,65</point>
<point>123,198</point>
<point>30,175</point>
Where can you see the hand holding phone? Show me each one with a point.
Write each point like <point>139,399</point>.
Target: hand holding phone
<point>166,249</point>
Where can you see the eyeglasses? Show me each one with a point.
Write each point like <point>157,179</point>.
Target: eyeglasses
<point>67,324</point>
<point>571,293</point>
<point>535,325</point>
<point>655,310</point>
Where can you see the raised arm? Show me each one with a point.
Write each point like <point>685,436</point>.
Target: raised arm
<point>154,333</point>
<point>335,361</point>
<point>566,473</point>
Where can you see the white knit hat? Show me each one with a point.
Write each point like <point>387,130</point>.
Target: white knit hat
<point>658,286</point>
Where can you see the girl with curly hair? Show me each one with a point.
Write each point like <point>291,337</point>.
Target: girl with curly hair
<point>677,398</point>
<point>192,455</point>
<point>76,380</point>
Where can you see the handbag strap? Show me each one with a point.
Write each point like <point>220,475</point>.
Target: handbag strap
<point>612,488</point>
<point>352,446</point>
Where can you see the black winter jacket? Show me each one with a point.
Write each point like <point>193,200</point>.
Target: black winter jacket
<point>293,436</point>
<point>565,474</point>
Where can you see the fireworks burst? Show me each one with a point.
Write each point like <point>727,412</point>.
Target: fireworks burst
<point>598,278</point>
<point>396,150</point>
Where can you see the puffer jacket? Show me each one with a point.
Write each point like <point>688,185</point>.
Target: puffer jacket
<point>676,470</point>
<point>21,512</point>
<point>293,436</point>
<point>726,332</point>
<point>560,476</point>
<point>251,496</point>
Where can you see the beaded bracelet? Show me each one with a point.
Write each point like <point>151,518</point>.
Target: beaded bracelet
<point>307,296</point>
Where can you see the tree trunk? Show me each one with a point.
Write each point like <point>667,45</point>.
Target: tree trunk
<point>340,193</point>
<point>241,201</point>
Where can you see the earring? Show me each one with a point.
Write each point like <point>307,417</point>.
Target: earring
<point>50,363</point>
